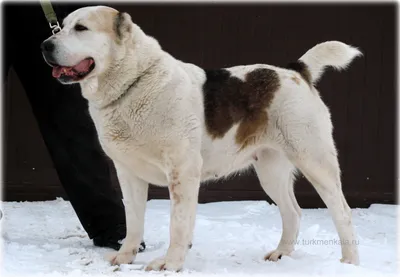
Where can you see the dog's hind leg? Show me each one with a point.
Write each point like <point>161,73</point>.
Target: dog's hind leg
<point>276,175</point>
<point>316,158</point>
<point>134,192</point>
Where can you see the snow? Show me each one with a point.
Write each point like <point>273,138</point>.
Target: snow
<point>231,238</point>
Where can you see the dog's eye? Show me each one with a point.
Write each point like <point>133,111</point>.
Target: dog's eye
<point>79,28</point>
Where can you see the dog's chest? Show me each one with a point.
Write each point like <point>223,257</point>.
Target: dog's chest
<point>126,141</point>
<point>141,158</point>
<point>115,132</point>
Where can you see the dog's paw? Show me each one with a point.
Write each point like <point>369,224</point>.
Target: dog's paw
<point>276,255</point>
<point>118,258</point>
<point>162,263</point>
<point>350,260</point>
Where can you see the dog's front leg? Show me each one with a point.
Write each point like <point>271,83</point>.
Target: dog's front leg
<point>134,192</point>
<point>184,190</point>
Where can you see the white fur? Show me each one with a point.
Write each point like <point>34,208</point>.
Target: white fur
<point>332,53</point>
<point>155,133</point>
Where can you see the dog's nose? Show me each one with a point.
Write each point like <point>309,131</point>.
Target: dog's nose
<point>47,46</point>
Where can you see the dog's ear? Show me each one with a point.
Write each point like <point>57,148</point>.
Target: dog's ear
<point>123,26</point>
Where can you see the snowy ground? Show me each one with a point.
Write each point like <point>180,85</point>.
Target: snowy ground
<point>45,238</point>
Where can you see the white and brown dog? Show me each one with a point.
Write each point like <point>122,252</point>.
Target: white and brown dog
<point>163,121</point>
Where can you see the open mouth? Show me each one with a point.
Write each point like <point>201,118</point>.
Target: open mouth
<point>73,73</point>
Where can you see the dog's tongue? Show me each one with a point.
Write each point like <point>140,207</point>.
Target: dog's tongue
<point>81,67</point>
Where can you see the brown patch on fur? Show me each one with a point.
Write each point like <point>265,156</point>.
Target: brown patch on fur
<point>110,21</point>
<point>175,196</point>
<point>228,100</point>
<point>121,25</point>
<point>251,128</point>
<point>118,21</point>
<point>296,80</point>
<point>302,69</point>
<point>103,20</point>
<point>255,157</point>
<point>174,183</point>
<point>118,135</point>
<point>117,130</point>
<point>174,175</point>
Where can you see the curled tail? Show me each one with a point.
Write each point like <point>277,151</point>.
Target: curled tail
<point>331,53</point>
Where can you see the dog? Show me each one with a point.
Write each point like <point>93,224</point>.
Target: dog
<point>163,121</point>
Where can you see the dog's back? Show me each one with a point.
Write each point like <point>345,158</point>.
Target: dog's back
<point>249,107</point>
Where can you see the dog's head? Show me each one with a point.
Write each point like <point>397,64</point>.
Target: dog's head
<point>90,40</point>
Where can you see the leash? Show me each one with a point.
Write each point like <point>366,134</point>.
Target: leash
<point>50,16</point>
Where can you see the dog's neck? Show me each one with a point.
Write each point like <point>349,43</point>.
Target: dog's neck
<point>124,88</point>
<point>102,91</point>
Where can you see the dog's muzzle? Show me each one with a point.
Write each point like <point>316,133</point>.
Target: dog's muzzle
<point>48,48</point>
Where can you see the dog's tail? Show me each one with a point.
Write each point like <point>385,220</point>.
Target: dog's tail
<point>331,53</point>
